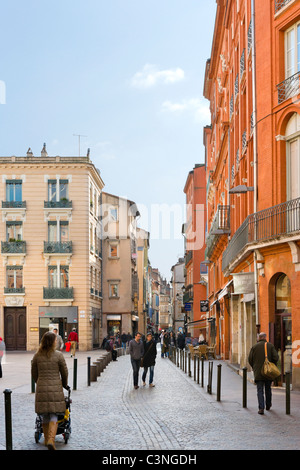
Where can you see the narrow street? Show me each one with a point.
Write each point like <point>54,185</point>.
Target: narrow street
<point>177,415</point>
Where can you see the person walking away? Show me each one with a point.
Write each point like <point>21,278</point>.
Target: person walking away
<point>50,373</point>
<point>256,360</point>
<point>149,357</point>
<point>59,340</point>
<point>124,339</point>
<point>73,338</point>
<point>136,351</point>
<point>2,349</point>
<point>181,341</point>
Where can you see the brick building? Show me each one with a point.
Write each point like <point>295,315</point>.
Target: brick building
<point>253,178</point>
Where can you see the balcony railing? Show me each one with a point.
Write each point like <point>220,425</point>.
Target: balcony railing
<point>188,257</point>
<point>219,226</point>
<point>289,88</point>
<point>13,204</point>
<point>13,247</point>
<point>58,293</point>
<point>58,247</point>
<point>276,221</point>
<point>280,4</point>
<point>14,290</point>
<point>63,203</point>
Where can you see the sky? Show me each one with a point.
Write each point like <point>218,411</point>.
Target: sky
<point>126,75</point>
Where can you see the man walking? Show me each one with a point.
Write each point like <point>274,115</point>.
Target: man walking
<point>256,360</point>
<point>149,359</point>
<point>136,351</point>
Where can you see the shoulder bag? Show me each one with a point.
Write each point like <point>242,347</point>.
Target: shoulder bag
<point>269,369</point>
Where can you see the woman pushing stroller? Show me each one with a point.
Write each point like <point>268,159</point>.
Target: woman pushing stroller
<point>49,371</point>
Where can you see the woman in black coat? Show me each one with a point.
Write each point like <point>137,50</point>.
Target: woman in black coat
<point>149,359</point>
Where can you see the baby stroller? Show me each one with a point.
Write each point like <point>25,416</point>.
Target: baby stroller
<point>64,422</point>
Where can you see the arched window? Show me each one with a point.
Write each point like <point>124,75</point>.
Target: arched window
<point>292,136</point>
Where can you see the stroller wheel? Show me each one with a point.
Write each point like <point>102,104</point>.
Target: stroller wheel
<point>66,436</point>
<point>37,436</point>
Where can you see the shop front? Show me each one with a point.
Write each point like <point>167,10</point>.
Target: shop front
<point>62,318</point>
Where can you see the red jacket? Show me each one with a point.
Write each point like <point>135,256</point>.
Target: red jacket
<point>73,336</point>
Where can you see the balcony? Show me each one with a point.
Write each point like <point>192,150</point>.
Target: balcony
<point>58,247</point>
<point>14,290</point>
<point>13,204</point>
<point>279,4</point>
<point>188,296</point>
<point>266,225</point>
<point>58,293</point>
<point>63,203</point>
<point>220,226</point>
<point>288,88</point>
<point>13,247</point>
<point>188,257</point>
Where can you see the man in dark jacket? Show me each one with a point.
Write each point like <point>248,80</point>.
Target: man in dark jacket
<point>256,360</point>
<point>149,359</point>
<point>136,351</point>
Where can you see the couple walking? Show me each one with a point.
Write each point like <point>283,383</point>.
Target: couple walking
<point>143,354</point>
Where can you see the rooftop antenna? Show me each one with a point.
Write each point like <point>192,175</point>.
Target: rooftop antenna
<point>79,137</point>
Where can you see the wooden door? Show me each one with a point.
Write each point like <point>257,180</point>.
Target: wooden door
<point>15,328</point>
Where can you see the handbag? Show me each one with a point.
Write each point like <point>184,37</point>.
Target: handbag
<point>269,369</point>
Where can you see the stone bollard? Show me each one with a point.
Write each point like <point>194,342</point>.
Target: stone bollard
<point>97,368</point>
<point>101,362</point>
<point>93,373</point>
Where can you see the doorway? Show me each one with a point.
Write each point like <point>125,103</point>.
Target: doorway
<point>283,325</point>
<point>15,328</point>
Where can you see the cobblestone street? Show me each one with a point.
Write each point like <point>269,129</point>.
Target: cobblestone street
<point>178,414</point>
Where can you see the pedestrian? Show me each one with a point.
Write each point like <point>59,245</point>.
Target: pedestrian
<point>180,340</point>
<point>2,349</point>
<point>136,351</point>
<point>59,340</point>
<point>256,360</point>
<point>124,339</point>
<point>165,345</point>
<point>73,338</point>
<point>149,359</point>
<point>49,371</point>
<point>114,352</point>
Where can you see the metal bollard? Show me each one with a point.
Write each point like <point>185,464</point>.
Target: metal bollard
<point>202,371</point>
<point>8,420</point>
<point>210,372</point>
<point>189,364</point>
<point>89,371</point>
<point>288,393</point>
<point>244,387</point>
<point>194,368</point>
<point>198,369</point>
<point>75,374</point>
<point>178,355</point>
<point>219,382</point>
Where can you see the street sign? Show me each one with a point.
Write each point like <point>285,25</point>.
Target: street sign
<point>187,306</point>
<point>204,306</point>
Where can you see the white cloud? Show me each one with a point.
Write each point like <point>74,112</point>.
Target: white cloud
<point>151,76</point>
<point>195,105</point>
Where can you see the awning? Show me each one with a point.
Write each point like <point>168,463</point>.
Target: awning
<point>225,290</point>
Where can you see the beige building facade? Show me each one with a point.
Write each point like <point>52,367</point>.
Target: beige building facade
<point>51,252</point>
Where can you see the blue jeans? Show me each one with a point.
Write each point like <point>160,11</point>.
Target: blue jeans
<point>136,364</point>
<point>151,374</point>
<point>264,388</point>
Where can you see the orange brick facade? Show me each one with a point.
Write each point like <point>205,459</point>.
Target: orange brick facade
<point>253,179</point>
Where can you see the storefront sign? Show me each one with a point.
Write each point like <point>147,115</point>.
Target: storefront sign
<point>204,305</point>
<point>243,283</point>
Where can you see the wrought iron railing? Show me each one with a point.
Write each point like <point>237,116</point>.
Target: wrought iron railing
<point>267,224</point>
<point>219,226</point>
<point>58,247</point>
<point>13,204</point>
<point>288,88</point>
<point>13,247</point>
<point>58,293</point>
<point>58,204</point>
<point>280,4</point>
<point>14,290</point>
<point>242,64</point>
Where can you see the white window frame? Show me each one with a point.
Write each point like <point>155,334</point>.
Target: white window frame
<point>294,67</point>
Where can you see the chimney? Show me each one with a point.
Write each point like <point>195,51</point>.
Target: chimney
<point>29,153</point>
<point>44,151</point>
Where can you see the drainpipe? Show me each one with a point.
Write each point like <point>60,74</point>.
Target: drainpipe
<point>254,153</point>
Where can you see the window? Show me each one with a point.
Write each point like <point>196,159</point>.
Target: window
<point>292,136</point>
<point>14,190</point>
<point>113,250</point>
<point>13,231</point>
<point>114,289</point>
<point>113,213</point>
<point>14,277</point>
<point>292,51</point>
<point>58,190</point>
<point>58,231</point>
<point>58,276</point>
